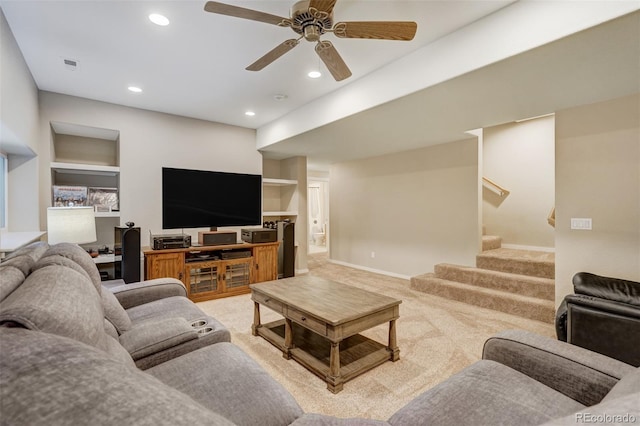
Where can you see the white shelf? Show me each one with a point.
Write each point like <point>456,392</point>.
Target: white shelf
<point>77,168</point>
<point>107,214</point>
<point>287,213</point>
<point>11,241</point>
<point>278,182</point>
<point>106,258</point>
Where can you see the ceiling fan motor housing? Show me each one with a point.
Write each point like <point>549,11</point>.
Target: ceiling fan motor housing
<point>309,24</point>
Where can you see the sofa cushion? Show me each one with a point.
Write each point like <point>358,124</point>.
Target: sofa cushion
<point>110,329</point>
<point>57,300</point>
<point>486,393</point>
<point>56,259</point>
<point>155,336</point>
<point>79,256</point>
<point>224,379</point>
<point>34,250</point>
<point>51,380</point>
<point>10,279</point>
<point>24,263</point>
<point>114,312</point>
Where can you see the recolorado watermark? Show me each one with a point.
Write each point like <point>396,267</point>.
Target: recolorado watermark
<point>606,418</point>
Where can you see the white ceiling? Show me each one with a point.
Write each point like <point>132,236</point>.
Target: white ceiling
<point>195,67</point>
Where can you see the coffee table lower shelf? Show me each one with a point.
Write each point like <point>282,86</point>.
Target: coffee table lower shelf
<point>358,353</point>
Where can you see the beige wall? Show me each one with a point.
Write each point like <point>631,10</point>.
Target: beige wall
<point>19,100</point>
<point>598,177</point>
<point>148,142</point>
<point>520,158</point>
<point>19,133</point>
<point>412,209</point>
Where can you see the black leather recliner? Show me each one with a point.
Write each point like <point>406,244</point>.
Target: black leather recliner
<point>603,316</point>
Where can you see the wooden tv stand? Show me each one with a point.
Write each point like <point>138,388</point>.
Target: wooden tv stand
<point>211,272</point>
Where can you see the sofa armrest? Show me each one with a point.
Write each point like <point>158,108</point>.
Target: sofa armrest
<point>604,326</point>
<point>155,336</point>
<point>578,373</point>
<point>130,295</point>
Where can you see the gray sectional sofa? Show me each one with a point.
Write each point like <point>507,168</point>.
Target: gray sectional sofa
<point>75,352</point>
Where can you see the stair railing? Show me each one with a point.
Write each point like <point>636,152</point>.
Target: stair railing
<point>488,183</point>
<point>551,219</point>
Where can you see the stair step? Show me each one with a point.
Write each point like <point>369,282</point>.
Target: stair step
<point>541,288</point>
<point>523,306</point>
<point>491,242</point>
<point>523,262</point>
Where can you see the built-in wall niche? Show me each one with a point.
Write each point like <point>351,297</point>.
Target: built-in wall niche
<point>279,198</point>
<point>89,157</point>
<point>73,143</point>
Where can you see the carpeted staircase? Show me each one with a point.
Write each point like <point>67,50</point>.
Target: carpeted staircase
<point>518,282</point>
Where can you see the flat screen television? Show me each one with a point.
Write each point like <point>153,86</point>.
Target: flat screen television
<point>199,198</point>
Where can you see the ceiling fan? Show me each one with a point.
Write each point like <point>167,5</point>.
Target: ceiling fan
<point>311,19</point>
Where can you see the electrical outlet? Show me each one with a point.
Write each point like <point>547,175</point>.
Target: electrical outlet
<point>581,223</point>
<point>373,254</point>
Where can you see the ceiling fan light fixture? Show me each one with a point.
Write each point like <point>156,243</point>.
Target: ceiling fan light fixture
<point>311,19</point>
<point>314,74</point>
<point>158,19</point>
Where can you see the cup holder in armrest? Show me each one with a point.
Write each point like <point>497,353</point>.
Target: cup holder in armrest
<point>199,323</point>
<point>205,330</point>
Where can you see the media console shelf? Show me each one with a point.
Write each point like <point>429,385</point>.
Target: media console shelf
<point>211,272</point>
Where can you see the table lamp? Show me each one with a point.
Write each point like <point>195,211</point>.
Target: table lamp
<point>71,225</point>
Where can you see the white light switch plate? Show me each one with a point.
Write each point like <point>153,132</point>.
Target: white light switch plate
<point>581,223</point>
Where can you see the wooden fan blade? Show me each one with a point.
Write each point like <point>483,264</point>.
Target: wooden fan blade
<point>323,5</point>
<point>241,12</point>
<point>329,55</point>
<point>381,30</point>
<point>274,54</point>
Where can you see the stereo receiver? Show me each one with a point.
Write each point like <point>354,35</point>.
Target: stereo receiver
<point>170,241</point>
<point>259,235</point>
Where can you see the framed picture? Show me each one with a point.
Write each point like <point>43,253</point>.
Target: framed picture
<point>69,196</point>
<point>103,199</point>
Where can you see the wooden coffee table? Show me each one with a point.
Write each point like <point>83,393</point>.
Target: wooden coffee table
<point>321,323</point>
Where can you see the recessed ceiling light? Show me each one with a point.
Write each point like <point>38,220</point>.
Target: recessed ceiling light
<point>134,89</point>
<point>250,113</point>
<point>158,19</point>
<point>315,74</point>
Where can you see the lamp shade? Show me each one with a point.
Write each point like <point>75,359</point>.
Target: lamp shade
<point>71,225</point>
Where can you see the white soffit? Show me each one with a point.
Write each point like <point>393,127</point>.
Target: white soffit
<point>517,28</point>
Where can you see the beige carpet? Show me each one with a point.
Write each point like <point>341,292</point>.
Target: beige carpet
<point>437,337</point>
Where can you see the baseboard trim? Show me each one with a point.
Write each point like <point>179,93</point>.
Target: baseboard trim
<point>535,248</point>
<point>302,271</point>
<point>375,271</point>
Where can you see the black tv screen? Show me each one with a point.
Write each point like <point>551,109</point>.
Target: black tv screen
<point>198,199</point>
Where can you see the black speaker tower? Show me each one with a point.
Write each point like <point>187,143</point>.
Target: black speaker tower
<point>286,250</point>
<point>127,245</point>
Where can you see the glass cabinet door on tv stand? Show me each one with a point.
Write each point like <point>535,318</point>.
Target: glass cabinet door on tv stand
<point>237,273</point>
<point>206,279</point>
<point>203,279</point>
